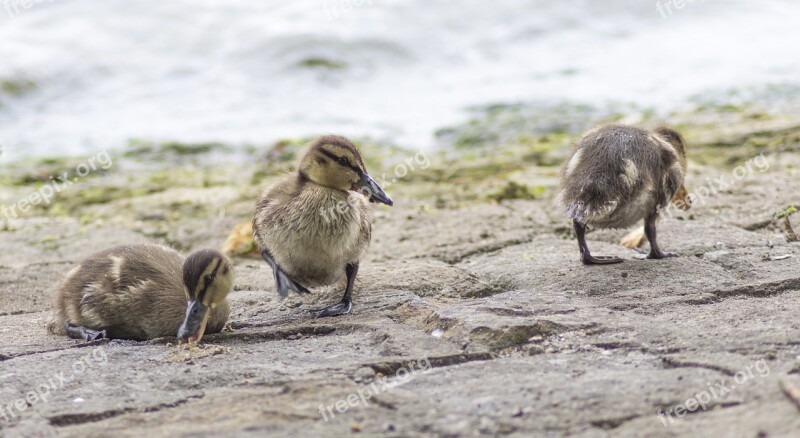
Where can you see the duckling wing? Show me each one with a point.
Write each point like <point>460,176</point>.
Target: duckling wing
<point>132,291</point>
<point>365,236</point>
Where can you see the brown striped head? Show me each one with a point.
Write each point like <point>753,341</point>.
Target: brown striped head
<point>334,161</point>
<point>208,276</point>
<point>675,139</point>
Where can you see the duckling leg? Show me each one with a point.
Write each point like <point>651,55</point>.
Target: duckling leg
<point>346,305</point>
<point>83,333</point>
<point>586,256</point>
<point>282,281</point>
<point>650,232</point>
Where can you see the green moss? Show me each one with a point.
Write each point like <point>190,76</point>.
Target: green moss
<point>152,151</point>
<point>45,171</point>
<point>191,149</point>
<point>54,161</point>
<point>17,87</point>
<point>285,151</point>
<point>322,63</point>
<point>69,202</point>
<point>57,209</point>
<point>160,180</point>
<point>476,171</point>
<point>548,150</point>
<point>103,194</point>
<point>48,239</point>
<point>512,190</point>
<point>499,125</point>
<point>731,152</point>
<point>788,211</point>
<point>724,107</point>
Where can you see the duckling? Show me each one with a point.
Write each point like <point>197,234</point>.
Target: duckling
<point>140,292</point>
<point>314,226</point>
<point>620,174</point>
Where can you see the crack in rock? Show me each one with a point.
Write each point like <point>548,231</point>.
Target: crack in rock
<point>391,367</point>
<point>458,256</point>
<point>675,363</point>
<point>760,290</point>
<point>283,334</point>
<point>93,417</point>
<point>4,357</point>
<point>613,423</point>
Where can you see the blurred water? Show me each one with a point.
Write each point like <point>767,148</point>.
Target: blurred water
<point>238,70</point>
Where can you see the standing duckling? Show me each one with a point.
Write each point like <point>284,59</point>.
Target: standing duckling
<point>618,175</point>
<point>314,226</point>
<point>140,292</point>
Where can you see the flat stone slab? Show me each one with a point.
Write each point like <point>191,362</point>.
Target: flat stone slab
<point>469,321</point>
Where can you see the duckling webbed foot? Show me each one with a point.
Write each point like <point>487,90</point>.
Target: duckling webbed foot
<point>83,333</point>
<point>586,257</point>
<point>589,259</point>
<point>282,281</point>
<point>346,305</point>
<point>342,308</point>
<point>661,255</point>
<point>650,231</point>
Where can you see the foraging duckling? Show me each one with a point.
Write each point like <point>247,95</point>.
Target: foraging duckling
<point>140,292</point>
<point>314,226</point>
<point>618,175</point>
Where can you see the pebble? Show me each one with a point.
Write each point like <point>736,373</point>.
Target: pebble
<point>364,373</point>
<point>535,349</point>
<point>715,255</point>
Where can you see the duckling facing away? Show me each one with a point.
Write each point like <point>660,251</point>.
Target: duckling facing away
<point>140,292</point>
<point>618,175</point>
<point>314,226</point>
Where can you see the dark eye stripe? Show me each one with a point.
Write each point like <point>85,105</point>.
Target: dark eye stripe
<point>202,293</point>
<point>336,159</point>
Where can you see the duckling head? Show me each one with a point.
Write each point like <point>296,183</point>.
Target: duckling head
<point>208,276</point>
<point>335,162</point>
<point>675,139</point>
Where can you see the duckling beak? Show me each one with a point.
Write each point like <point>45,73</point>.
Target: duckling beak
<point>681,199</point>
<point>369,188</point>
<point>194,325</point>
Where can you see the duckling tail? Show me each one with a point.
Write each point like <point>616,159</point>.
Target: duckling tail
<point>587,203</point>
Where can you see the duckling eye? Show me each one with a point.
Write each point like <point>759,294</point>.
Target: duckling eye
<point>209,278</point>
<point>344,161</point>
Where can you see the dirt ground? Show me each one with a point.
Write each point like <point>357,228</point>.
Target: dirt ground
<point>470,318</point>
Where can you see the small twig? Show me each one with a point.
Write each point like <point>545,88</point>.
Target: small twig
<point>791,391</point>
<point>787,228</point>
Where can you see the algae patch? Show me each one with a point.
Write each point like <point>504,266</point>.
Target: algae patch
<point>513,190</point>
<point>155,151</point>
<point>17,87</point>
<point>321,63</point>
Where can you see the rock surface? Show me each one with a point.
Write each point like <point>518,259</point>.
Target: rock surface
<point>469,319</point>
